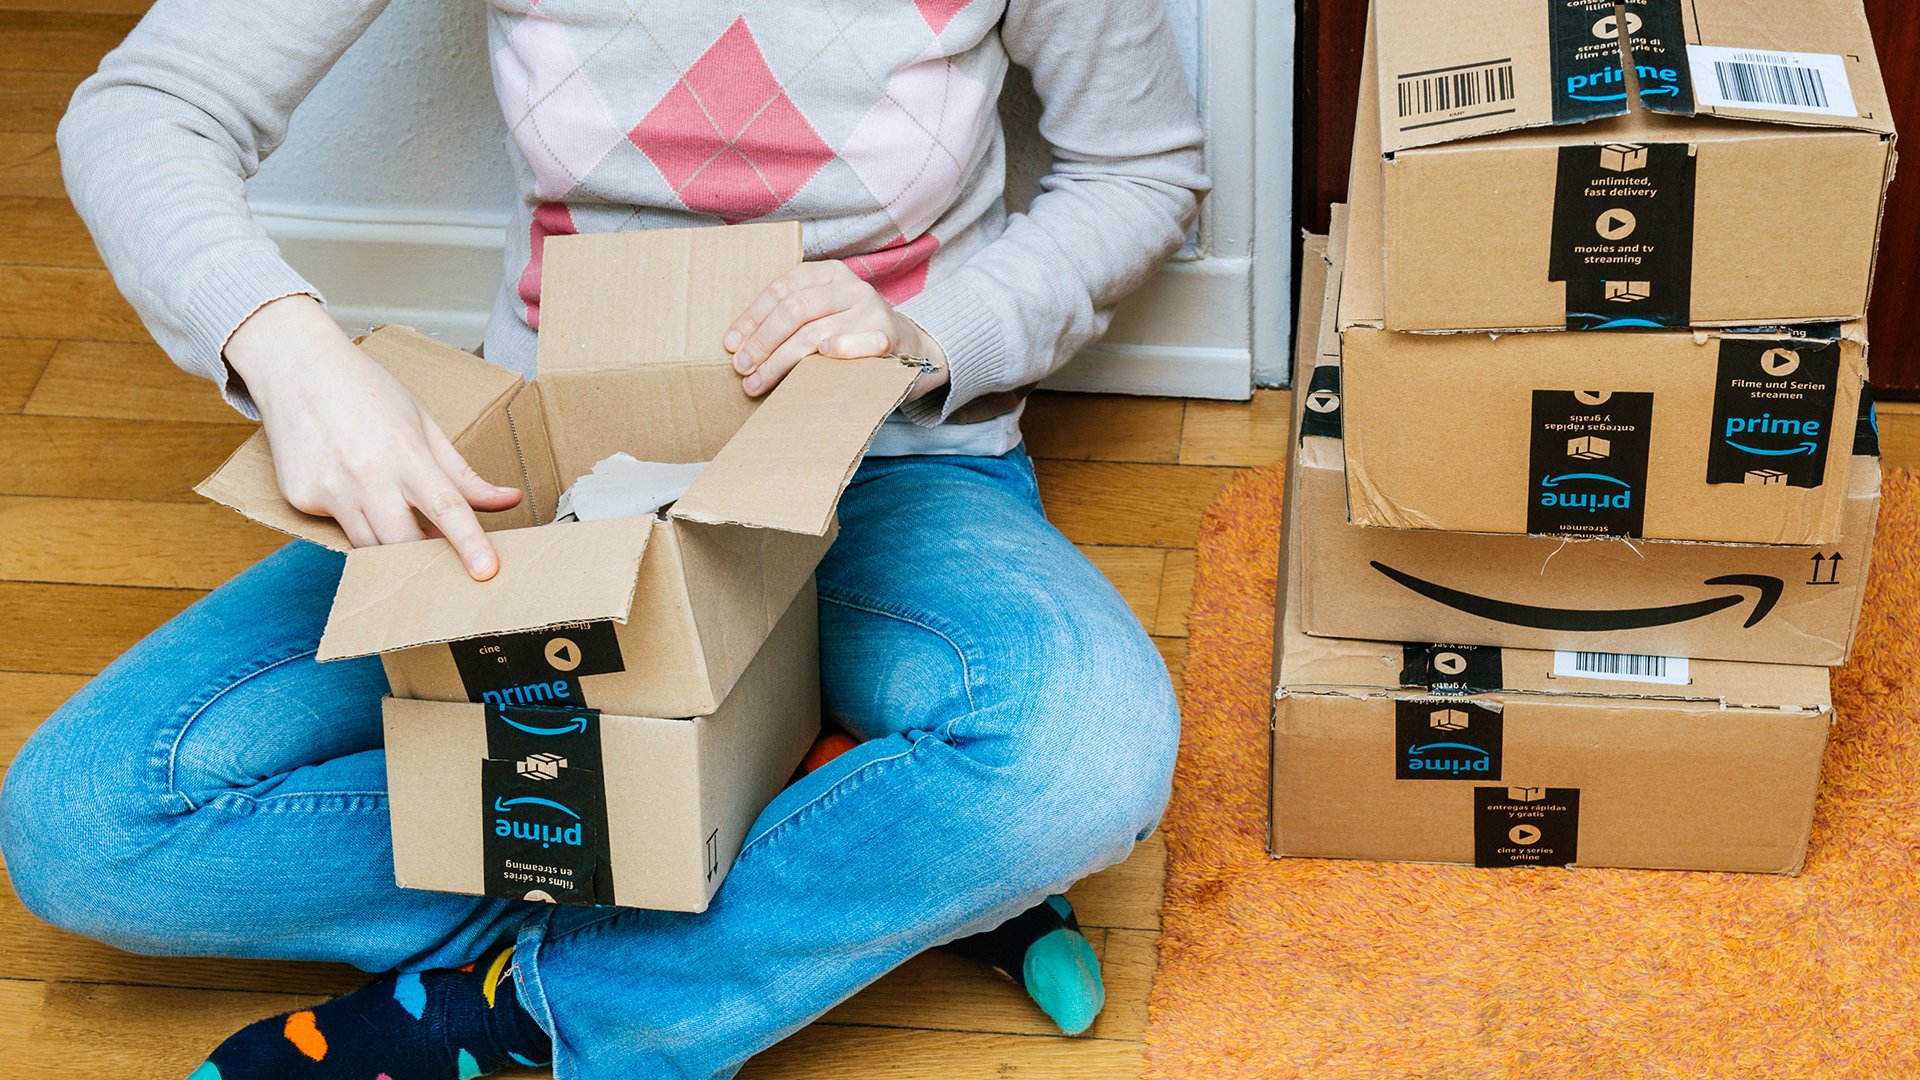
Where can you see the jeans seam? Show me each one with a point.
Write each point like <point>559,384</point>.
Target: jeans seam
<point>841,786</point>
<point>173,751</point>
<point>871,606</point>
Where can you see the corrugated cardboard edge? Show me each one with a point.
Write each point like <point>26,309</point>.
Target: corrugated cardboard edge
<point>381,587</point>
<point>749,485</point>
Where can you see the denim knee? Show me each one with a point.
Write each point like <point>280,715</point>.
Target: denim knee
<point>68,825</point>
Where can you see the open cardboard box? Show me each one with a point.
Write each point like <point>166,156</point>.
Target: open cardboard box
<point>1513,757</point>
<point>653,615</point>
<point>1715,436</point>
<point>1574,164</point>
<point>1766,603</point>
<point>582,806</point>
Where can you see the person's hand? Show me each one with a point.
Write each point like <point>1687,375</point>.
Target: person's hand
<point>350,443</point>
<point>824,307</point>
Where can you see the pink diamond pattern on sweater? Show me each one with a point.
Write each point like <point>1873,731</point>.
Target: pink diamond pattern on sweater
<point>899,270</point>
<point>549,219</point>
<point>910,148</point>
<point>554,112</point>
<point>939,13</point>
<point>727,138</point>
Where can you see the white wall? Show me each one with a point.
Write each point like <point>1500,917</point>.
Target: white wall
<point>393,187</point>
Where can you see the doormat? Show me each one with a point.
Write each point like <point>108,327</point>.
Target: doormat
<point>1353,970</point>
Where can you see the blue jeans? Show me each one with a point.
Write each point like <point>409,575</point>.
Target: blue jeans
<point>217,792</point>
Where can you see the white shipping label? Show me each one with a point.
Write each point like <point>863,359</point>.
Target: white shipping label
<point>1622,667</point>
<point>1792,82</point>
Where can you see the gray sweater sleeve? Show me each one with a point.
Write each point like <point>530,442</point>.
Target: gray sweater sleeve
<point>1127,178</point>
<point>156,148</point>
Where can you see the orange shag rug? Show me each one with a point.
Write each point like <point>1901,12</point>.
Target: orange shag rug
<point>1355,971</point>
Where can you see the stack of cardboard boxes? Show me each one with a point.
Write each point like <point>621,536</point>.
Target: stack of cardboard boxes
<point>603,721</point>
<point>1587,391</point>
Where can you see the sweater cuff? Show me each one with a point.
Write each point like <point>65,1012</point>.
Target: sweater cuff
<point>964,323</point>
<point>230,291</point>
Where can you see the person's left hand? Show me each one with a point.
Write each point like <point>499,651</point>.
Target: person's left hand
<point>823,307</point>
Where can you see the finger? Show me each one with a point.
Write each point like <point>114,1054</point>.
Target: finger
<point>789,315</point>
<point>857,344</point>
<point>478,493</point>
<point>805,276</point>
<point>354,524</point>
<point>791,352</point>
<point>447,509</point>
<point>392,519</point>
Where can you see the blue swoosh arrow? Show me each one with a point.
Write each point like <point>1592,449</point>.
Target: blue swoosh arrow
<point>1803,448</point>
<point>506,806</point>
<point>1615,324</point>
<point>578,723</point>
<point>1621,96</point>
<point>1421,749</point>
<point>1554,481</point>
<point>1661,90</point>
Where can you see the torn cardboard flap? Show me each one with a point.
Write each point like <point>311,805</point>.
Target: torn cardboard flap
<point>455,387</point>
<point>624,486</point>
<point>788,464</point>
<point>400,595</point>
<point>656,295</point>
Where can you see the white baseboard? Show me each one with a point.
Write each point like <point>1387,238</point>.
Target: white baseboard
<point>1184,334</point>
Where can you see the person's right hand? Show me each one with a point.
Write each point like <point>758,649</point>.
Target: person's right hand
<point>350,443</point>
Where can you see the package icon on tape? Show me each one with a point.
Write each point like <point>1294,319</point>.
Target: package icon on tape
<point>1589,448</point>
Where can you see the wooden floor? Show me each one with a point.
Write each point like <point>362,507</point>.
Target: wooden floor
<point>101,540</point>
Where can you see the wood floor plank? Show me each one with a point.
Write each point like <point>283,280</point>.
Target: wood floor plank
<point>1136,573</point>
<point>1125,896</point>
<point>108,459</point>
<point>1176,595</point>
<point>22,361</point>
<point>44,232</point>
<point>843,1052</point>
<point>1238,432</point>
<point>123,542</point>
<point>55,40</point>
<point>78,629</point>
<point>1127,963</point>
<point>1174,651</point>
<point>1102,427</point>
<point>32,102</point>
<point>125,381</point>
<point>1899,434</point>
<point>64,301</point>
<point>95,7</point>
<point>1126,504</point>
<point>30,166</point>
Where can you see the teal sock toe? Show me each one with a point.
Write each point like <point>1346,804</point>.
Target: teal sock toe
<point>1063,976</point>
<point>207,1071</point>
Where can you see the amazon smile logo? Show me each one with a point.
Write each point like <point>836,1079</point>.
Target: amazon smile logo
<point>1808,432</point>
<point>1449,757</point>
<point>1603,492</point>
<point>1764,592</point>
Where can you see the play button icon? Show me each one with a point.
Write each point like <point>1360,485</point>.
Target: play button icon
<point>1616,224</point>
<point>1449,663</point>
<point>1524,834</point>
<point>563,654</point>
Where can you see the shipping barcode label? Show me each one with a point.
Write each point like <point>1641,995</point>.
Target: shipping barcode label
<point>1623,667</point>
<point>1447,95</point>
<point>1777,81</point>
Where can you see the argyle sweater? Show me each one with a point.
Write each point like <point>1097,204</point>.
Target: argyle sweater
<point>873,122</point>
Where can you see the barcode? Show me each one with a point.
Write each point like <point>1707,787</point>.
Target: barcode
<point>1426,93</point>
<point>1756,83</point>
<point>1624,666</point>
<point>1608,663</point>
<point>1815,83</point>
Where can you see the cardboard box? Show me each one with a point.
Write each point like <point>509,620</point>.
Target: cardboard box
<point>582,806</point>
<point>1769,604</point>
<point>1711,435</point>
<point>1721,163</point>
<point>642,616</point>
<point>1508,757</point>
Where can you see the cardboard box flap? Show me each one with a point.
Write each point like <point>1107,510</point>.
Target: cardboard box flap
<point>613,300</point>
<point>455,387</point>
<point>400,595</point>
<point>1457,69</point>
<point>788,464</point>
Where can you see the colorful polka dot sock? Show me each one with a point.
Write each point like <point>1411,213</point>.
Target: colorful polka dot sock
<point>1044,951</point>
<point>434,1025</point>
